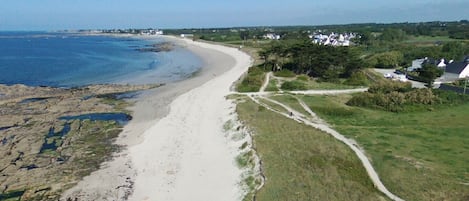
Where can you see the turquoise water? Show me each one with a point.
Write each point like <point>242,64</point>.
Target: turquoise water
<point>67,60</point>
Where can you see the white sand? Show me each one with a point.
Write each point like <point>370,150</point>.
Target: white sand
<point>184,155</point>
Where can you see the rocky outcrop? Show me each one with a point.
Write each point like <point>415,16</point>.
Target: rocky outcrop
<point>42,155</point>
<point>158,47</point>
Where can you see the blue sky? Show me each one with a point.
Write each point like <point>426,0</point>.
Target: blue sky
<point>91,14</point>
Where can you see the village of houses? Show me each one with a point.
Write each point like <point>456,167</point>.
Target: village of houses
<point>453,70</point>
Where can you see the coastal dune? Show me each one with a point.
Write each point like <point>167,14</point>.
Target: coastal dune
<point>177,149</point>
<point>185,155</point>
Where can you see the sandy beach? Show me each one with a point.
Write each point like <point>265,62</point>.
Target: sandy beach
<point>176,147</point>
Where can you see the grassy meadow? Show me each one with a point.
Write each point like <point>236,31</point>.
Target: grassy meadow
<point>302,163</point>
<point>420,155</point>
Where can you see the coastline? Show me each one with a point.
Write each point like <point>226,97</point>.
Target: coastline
<point>81,59</point>
<point>167,123</point>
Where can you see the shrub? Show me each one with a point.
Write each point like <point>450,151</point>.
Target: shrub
<point>365,99</point>
<point>293,85</point>
<point>449,97</point>
<point>357,79</point>
<point>386,59</point>
<point>393,101</point>
<point>284,73</point>
<point>422,96</point>
<point>303,77</point>
<point>394,97</point>
<point>387,86</point>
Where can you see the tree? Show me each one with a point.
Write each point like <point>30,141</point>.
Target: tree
<point>430,72</point>
<point>304,57</point>
<point>453,50</point>
<point>244,35</point>
<point>390,59</point>
<point>264,55</point>
<point>392,35</point>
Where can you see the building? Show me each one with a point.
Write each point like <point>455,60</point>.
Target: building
<point>333,39</point>
<point>457,70</point>
<point>418,63</point>
<point>272,36</point>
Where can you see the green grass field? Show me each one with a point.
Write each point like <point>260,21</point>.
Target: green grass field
<point>301,84</point>
<point>315,85</point>
<point>291,101</point>
<point>419,156</point>
<point>302,163</point>
<point>429,39</point>
<point>272,86</point>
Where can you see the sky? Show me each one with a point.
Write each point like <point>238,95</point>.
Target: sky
<point>106,14</point>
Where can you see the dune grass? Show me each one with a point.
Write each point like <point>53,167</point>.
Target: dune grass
<point>313,84</point>
<point>302,163</point>
<point>290,101</point>
<point>273,105</point>
<point>253,81</point>
<point>420,155</point>
<point>272,86</point>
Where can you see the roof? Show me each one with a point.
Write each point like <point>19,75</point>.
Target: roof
<point>433,61</point>
<point>430,61</point>
<point>456,67</point>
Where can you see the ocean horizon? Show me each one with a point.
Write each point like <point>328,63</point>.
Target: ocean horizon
<point>71,60</point>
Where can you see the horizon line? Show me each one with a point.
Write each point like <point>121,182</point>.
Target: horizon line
<point>228,27</point>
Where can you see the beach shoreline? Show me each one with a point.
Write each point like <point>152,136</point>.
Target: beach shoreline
<point>132,174</point>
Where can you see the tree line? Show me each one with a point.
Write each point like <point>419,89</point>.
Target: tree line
<point>305,57</point>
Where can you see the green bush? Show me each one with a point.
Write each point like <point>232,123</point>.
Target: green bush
<point>450,98</point>
<point>390,102</point>
<point>390,59</point>
<point>394,97</point>
<point>293,85</point>
<point>362,100</point>
<point>303,77</point>
<point>285,73</point>
<point>421,96</point>
<point>387,86</point>
<point>357,79</point>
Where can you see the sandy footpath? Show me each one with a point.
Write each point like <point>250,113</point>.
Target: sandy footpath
<point>176,146</point>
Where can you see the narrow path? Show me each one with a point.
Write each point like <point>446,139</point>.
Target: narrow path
<point>310,112</point>
<point>325,92</point>
<point>266,82</point>
<point>307,92</point>
<point>297,116</point>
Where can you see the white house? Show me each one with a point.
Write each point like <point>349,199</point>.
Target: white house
<point>272,36</point>
<point>457,70</point>
<point>442,63</point>
<point>417,64</point>
<point>332,39</point>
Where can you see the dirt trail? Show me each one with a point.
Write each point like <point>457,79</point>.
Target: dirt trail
<point>266,82</point>
<point>318,123</point>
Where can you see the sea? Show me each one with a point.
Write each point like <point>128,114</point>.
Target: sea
<point>72,60</point>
